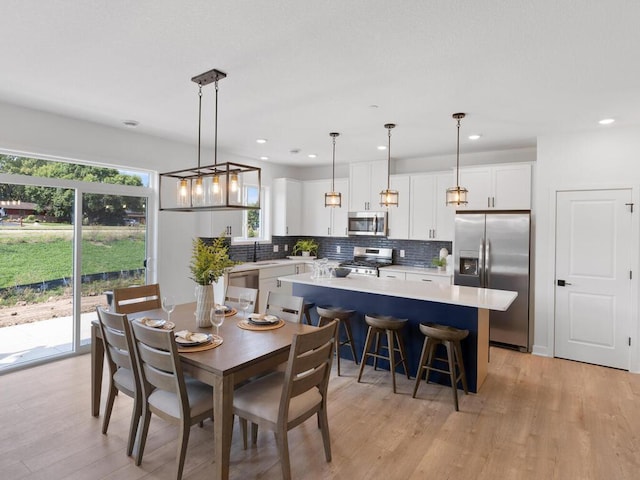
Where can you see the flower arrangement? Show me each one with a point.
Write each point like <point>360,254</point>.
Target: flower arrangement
<point>208,262</point>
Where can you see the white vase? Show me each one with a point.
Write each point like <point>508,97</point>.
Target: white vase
<point>204,304</point>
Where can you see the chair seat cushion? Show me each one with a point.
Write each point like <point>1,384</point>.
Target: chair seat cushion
<point>200,399</point>
<point>262,398</point>
<point>124,378</point>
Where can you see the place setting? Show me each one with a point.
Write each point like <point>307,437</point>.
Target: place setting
<point>260,321</point>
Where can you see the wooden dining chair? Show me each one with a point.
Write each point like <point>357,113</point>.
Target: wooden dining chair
<point>165,390</point>
<point>286,307</point>
<point>281,401</point>
<point>232,297</point>
<point>137,299</point>
<point>123,371</point>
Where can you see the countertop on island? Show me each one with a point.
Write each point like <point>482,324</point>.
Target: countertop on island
<point>485,298</point>
<point>416,269</point>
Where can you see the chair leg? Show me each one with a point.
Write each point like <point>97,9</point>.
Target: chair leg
<point>337,345</point>
<point>113,391</point>
<point>142,434</point>
<point>324,428</point>
<point>403,353</point>
<point>377,352</point>
<point>452,373</point>
<point>347,328</point>
<point>463,375</point>
<point>254,433</point>
<point>183,440</point>
<point>433,345</point>
<point>283,449</point>
<point>423,359</point>
<point>367,344</point>
<point>135,422</point>
<point>243,425</point>
<point>392,358</point>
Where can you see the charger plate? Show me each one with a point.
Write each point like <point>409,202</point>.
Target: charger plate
<point>245,325</point>
<point>216,341</point>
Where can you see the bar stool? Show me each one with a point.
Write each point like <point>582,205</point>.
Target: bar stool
<point>380,325</point>
<point>306,307</point>
<point>343,317</point>
<point>450,337</point>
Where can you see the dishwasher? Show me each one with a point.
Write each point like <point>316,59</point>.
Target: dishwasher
<point>246,279</point>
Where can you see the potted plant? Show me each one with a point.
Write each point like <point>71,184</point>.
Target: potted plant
<point>440,263</point>
<point>208,264</point>
<point>306,247</point>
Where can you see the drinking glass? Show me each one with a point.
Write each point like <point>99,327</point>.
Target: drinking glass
<point>168,305</point>
<point>244,301</point>
<point>217,318</point>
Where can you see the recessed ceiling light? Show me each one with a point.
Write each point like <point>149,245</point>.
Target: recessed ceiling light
<point>264,158</point>
<point>131,123</point>
<point>312,155</point>
<point>374,106</point>
<point>382,147</point>
<point>607,121</point>
<point>475,136</point>
<point>261,140</point>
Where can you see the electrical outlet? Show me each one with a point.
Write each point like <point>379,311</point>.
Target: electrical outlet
<point>401,253</point>
<point>275,249</point>
<point>286,247</point>
<point>338,249</point>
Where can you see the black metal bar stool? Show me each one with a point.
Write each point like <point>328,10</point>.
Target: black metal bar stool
<point>306,307</point>
<point>343,317</point>
<point>450,337</point>
<point>379,325</point>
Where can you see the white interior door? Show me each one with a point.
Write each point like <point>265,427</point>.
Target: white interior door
<point>593,286</point>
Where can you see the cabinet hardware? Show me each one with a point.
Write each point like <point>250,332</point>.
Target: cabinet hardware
<point>493,202</point>
<point>278,283</point>
<point>426,280</point>
<point>629,341</point>
<point>488,202</point>
<point>287,230</point>
<point>328,230</point>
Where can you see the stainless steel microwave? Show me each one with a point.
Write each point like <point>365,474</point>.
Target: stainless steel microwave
<point>368,223</point>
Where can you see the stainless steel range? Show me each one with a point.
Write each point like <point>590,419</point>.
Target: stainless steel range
<point>366,261</point>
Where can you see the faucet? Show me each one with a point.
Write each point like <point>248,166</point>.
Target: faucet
<point>255,251</point>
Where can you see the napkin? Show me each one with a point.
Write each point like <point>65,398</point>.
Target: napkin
<point>263,317</point>
<point>192,336</point>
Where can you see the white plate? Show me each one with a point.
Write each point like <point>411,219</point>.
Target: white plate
<point>153,322</point>
<point>197,339</point>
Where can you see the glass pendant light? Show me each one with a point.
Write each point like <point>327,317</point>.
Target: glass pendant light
<point>333,198</point>
<point>457,196</point>
<point>388,197</point>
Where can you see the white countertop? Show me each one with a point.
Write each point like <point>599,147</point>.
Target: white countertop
<point>277,262</point>
<point>432,292</point>
<point>421,270</point>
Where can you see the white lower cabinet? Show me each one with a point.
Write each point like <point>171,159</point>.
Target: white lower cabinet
<point>425,277</point>
<point>269,283</point>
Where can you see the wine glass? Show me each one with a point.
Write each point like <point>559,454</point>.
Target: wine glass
<point>244,300</point>
<point>217,318</point>
<point>168,305</point>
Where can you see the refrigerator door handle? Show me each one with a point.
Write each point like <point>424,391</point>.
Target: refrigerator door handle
<point>481,263</point>
<point>487,263</point>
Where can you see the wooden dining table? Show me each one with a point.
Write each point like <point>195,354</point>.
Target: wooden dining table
<point>242,355</point>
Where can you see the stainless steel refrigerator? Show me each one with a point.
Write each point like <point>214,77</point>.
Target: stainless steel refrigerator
<point>491,250</point>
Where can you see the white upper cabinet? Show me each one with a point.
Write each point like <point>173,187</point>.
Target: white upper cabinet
<point>499,187</point>
<point>398,217</point>
<point>287,207</point>
<point>366,181</point>
<point>321,221</point>
<point>430,218</point>
<point>227,223</point>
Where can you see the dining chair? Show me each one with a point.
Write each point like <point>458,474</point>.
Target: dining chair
<point>232,297</point>
<point>286,307</point>
<point>137,299</point>
<point>165,390</point>
<point>281,401</point>
<point>123,372</point>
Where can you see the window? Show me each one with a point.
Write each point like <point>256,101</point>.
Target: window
<point>255,223</point>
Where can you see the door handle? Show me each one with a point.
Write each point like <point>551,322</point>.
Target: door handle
<point>562,283</point>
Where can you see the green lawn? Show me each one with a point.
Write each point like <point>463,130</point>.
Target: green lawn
<point>30,257</point>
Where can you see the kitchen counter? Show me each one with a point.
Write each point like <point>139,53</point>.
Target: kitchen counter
<point>277,262</point>
<point>461,307</point>
<point>419,270</point>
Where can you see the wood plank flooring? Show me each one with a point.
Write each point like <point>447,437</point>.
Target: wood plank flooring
<point>535,418</point>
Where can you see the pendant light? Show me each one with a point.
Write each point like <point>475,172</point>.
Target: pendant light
<point>457,196</point>
<point>388,197</point>
<point>333,198</point>
<point>212,187</point>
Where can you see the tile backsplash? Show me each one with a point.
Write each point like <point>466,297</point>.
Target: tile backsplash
<point>416,252</point>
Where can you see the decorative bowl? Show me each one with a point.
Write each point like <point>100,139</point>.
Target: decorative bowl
<point>342,272</point>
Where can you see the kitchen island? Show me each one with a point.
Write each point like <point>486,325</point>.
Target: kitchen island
<point>457,306</point>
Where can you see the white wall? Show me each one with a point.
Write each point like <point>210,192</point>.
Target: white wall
<point>606,158</point>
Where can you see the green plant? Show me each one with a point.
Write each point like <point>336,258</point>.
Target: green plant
<point>439,262</point>
<point>208,262</point>
<point>305,245</point>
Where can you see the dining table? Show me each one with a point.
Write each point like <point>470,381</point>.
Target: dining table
<point>243,354</point>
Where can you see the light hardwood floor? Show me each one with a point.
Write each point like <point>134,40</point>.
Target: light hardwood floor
<point>535,418</point>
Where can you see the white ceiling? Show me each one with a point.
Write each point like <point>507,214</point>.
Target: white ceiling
<point>298,70</point>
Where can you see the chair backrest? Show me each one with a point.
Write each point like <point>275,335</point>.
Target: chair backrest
<point>232,297</point>
<point>286,307</point>
<point>159,363</point>
<point>118,341</point>
<point>137,299</point>
<point>309,364</point>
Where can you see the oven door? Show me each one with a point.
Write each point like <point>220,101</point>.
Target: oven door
<point>368,223</point>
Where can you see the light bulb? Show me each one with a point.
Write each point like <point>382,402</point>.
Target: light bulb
<point>198,190</point>
<point>234,182</point>
<point>216,184</point>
